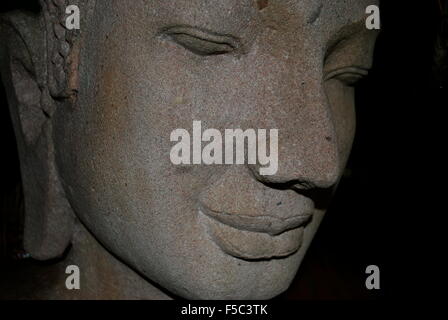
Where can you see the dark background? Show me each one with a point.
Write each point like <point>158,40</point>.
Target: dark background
<point>381,213</point>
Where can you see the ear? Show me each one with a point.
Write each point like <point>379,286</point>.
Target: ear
<point>23,66</point>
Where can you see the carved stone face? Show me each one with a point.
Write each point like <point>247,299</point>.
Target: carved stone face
<point>149,67</point>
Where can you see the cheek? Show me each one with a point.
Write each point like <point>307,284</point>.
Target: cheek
<point>342,103</point>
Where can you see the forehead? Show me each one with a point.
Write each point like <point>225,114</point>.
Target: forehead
<point>233,16</point>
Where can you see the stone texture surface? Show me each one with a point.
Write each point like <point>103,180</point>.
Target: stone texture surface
<point>94,109</point>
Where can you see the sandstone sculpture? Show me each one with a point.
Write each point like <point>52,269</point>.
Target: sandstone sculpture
<point>93,110</point>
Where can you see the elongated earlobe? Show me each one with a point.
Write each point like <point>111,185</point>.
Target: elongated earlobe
<point>23,66</point>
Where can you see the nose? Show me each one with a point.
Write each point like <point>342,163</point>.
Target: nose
<point>308,154</point>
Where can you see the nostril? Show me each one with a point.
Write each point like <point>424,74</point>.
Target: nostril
<point>303,185</point>
<point>328,138</point>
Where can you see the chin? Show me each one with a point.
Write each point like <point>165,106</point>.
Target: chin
<point>233,278</point>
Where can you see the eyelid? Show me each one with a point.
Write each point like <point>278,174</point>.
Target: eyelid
<point>360,71</point>
<point>223,43</point>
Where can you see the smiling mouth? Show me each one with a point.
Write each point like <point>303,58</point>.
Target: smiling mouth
<point>255,237</point>
<point>263,224</point>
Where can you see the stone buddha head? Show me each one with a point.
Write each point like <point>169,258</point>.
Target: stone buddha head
<point>94,109</point>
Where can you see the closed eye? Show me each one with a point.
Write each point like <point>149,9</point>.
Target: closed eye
<point>201,42</point>
<point>348,75</point>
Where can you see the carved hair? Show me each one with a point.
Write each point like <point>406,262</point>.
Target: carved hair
<point>62,46</point>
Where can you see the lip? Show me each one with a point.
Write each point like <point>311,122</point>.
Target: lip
<point>268,224</point>
<point>249,245</point>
